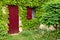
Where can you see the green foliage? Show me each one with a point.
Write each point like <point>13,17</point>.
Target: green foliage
<point>34,35</point>
<point>3,24</point>
<point>52,14</point>
<point>49,17</point>
<point>47,12</point>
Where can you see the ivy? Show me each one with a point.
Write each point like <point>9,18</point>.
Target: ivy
<point>47,12</point>
<point>52,14</point>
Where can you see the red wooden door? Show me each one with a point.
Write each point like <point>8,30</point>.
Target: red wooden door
<point>29,13</point>
<point>13,19</point>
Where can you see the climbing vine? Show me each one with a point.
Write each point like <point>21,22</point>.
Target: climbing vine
<point>47,12</point>
<point>43,16</point>
<point>52,14</point>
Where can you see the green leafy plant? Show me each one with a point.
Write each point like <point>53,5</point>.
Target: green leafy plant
<point>53,14</point>
<point>47,12</point>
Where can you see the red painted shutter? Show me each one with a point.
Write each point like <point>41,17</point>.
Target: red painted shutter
<point>13,19</point>
<point>29,13</point>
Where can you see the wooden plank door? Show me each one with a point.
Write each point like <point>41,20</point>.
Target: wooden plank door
<point>13,19</point>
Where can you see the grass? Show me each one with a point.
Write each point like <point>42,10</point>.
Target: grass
<point>33,35</point>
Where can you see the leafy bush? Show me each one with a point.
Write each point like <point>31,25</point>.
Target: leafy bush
<point>42,15</point>
<point>3,24</point>
<point>52,13</point>
<point>47,12</point>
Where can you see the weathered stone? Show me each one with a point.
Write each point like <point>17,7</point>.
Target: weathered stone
<point>52,28</point>
<point>42,26</point>
<point>4,10</point>
<point>20,29</point>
